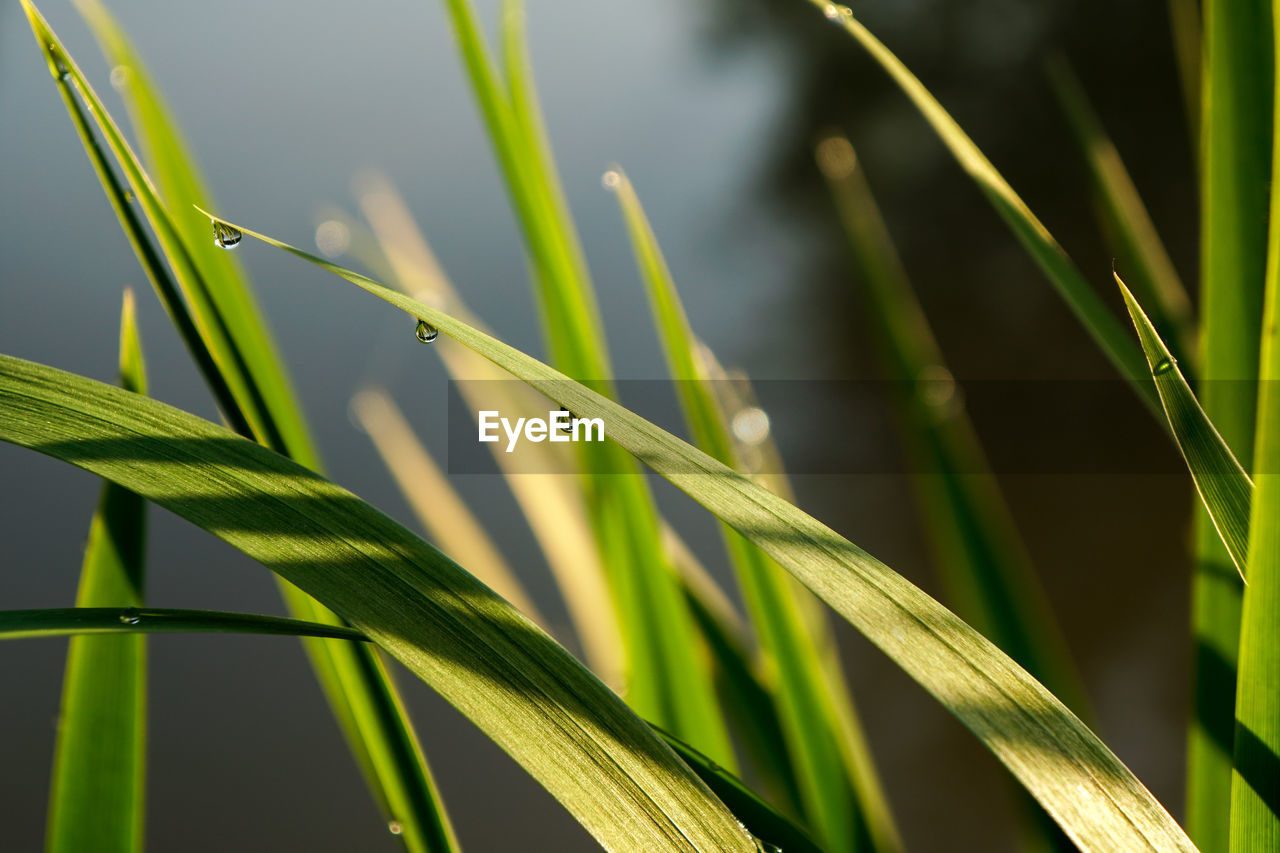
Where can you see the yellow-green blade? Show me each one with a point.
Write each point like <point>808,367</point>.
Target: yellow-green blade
<point>180,185</point>
<point>842,801</point>
<point>61,621</point>
<point>1087,790</point>
<point>563,725</point>
<point>1255,782</point>
<point>1225,489</point>
<point>1141,254</point>
<point>1235,170</point>
<point>236,357</point>
<point>99,764</point>
<point>1061,271</point>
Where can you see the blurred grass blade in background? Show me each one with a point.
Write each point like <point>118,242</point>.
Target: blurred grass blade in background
<point>1226,491</point>
<point>1255,783</point>
<point>1184,26</point>
<point>540,705</point>
<point>238,361</point>
<point>980,557</point>
<point>1093,314</point>
<point>61,621</point>
<point>1092,795</point>
<point>1235,172</point>
<point>99,764</point>
<point>1126,223</point>
<point>551,503</point>
<point>666,680</point>
<point>453,528</point>
<point>838,785</point>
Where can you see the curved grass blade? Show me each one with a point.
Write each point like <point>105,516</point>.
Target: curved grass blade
<point>842,801</point>
<point>1225,489</point>
<point>1235,172</point>
<point>240,367</point>
<point>539,704</point>
<point>1097,320</point>
<point>99,762</point>
<point>1255,783</point>
<point>1092,795</point>
<point>1125,220</point>
<point>59,622</point>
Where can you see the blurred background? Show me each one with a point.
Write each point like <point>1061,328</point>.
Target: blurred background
<point>712,107</point>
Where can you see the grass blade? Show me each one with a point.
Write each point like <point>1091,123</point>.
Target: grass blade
<point>562,724</point>
<point>1184,25</point>
<point>1097,320</point>
<point>1255,783</point>
<point>1235,172</point>
<point>1225,488</point>
<point>1125,220</point>
<point>237,359</point>
<point>99,764</point>
<point>1092,795</point>
<point>842,800</point>
<point>59,622</point>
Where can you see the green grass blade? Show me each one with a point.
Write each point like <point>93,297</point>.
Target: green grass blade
<point>99,764</point>
<point>1235,172</point>
<point>1184,25</point>
<point>61,621</point>
<point>236,357</point>
<point>1125,220</point>
<point>1255,782</point>
<point>562,724</point>
<point>1093,314</point>
<point>842,801</point>
<point>1092,795</point>
<point>180,185</point>
<point>1225,488</point>
<point>665,682</point>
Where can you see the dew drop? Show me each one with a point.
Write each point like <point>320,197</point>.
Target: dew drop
<point>751,425</point>
<point>394,827</point>
<point>1163,366</point>
<point>611,180</point>
<point>333,238</point>
<point>832,11</point>
<point>425,332</point>
<point>128,197</point>
<point>566,427</point>
<point>224,236</point>
<point>129,616</point>
<point>119,77</point>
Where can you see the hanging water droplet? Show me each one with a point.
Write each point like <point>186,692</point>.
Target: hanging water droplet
<point>129,616</point>
<point>425,332</point>
<point>394,827</point>
<point>224,236</point>
<point>566,427</point>
<point>610,180</point>
<point>1163,366</point>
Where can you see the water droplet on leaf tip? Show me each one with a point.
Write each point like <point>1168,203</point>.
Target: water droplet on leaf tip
<point>425,332</point>
<point>394,827</point>
<point>611,180</point>
<point>224,236</point>
<point>129,616</point>
<point>1164,365</point>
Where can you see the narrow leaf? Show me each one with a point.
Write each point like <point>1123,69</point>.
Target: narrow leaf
<point>58,622</point>
<point>1225,489</point>
<point>562,724</point>
<point>99,763</point>
<point>1092,795</point>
